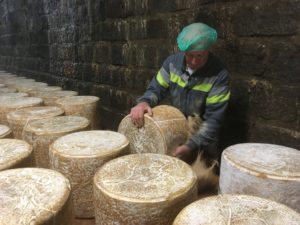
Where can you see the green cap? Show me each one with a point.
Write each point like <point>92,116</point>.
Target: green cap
<point>196,37</point>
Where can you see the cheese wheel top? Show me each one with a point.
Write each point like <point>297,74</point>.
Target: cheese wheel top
<point>19,102</point>
<point>37,112</point>
<point>4,130</point>
<point>31,195</point>
<point>12,151</point>
<point>77,100</point>
<point>90,143</point>
<point>236,210</point>
<point>265,159</point>
<point>145,178</point>
<point>59,124</point>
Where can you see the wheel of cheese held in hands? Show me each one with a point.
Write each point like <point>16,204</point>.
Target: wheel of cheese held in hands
<point>41,133</point>
<point>34,196</point>
<point>264,170</point>
<point>85,106</point>
<point>50,97</point>
<point>14,153</point>
<point>236,210</point>
<point>5,131</point>
<point>12,104</point>
<point>78,155</point>
<point>143,189</point>
<point>19,118</point>
<point>161,133</point>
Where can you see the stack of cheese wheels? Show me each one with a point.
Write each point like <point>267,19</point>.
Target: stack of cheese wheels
<point>12,104</point>
<point>14,153</point>
<point>7,90</point>
<point>78,155</point>
<point>5,131</point>
<point>50,97</point>
<point>85,106</point>
<point>161,133</point>
<point>236,209</point>
<point>18,119</point>
<point>264,170</point>
<point>34,196</point>
<point>143,189</point>
<point>41,133</point>
<point>36,91</point>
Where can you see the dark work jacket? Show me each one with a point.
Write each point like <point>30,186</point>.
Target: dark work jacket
<point>204,93</point>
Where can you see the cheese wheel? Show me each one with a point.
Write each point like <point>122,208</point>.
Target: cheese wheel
<point>78,155</point>
<point>13,83</point>
<point>236,210</point>
<point>19,118</point>
<point>5,131</point>
<point>8,90</point>
<point>85,106</point>
<point>161,133</point>
<point>26,87</point>
<point>143,189</point>
<point>2,85</point>
<point>34,196</point>
<point>264,170</point>
<point>8,105</point>
<point>43,89</point>
<point>50,97</point>
<point>14,153</point>
<point>13,95</point>
<point>41,133</point>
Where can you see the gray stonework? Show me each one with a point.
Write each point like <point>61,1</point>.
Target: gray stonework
<point>112,48</point>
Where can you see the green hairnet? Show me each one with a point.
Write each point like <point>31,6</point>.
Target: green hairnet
<point>196,37</point>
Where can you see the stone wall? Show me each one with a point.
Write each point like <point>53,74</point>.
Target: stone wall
<point>112,48</point>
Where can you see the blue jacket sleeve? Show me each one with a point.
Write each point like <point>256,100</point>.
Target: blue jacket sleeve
<point>215,107</point>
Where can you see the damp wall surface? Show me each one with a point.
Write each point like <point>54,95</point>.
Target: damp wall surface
<point>112,48</point>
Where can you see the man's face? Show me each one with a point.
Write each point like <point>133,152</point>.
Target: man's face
<point>196,59</point>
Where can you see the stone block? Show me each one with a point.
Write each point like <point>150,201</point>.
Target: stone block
<point>117,57</point>
<point>157,28</point>
<point>266,133</point>
<point>283,61</point>
<point>102,52</point>
<point>266,18</point>
<point>113,30</point>
<point>271,101</point>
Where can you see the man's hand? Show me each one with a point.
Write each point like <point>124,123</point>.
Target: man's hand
<point>184,153</point>
<point>137,113</point>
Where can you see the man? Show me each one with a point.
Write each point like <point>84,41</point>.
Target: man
<point>197,84</point>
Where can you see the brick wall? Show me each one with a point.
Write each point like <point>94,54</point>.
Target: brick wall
<point>112,48</point>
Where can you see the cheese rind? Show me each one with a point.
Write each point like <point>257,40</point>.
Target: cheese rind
<point>85,106</point>
<point>161,133</point>
<point>236,210</point>
<point>264,170</point>
<point>34,196</point>
<point>20,118</point>
<point>12,104</point>
<point>14,153</point>
<point>143,189</point>
<point>79,155</point>
<point>41,133</point>
<point>5,131</point>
